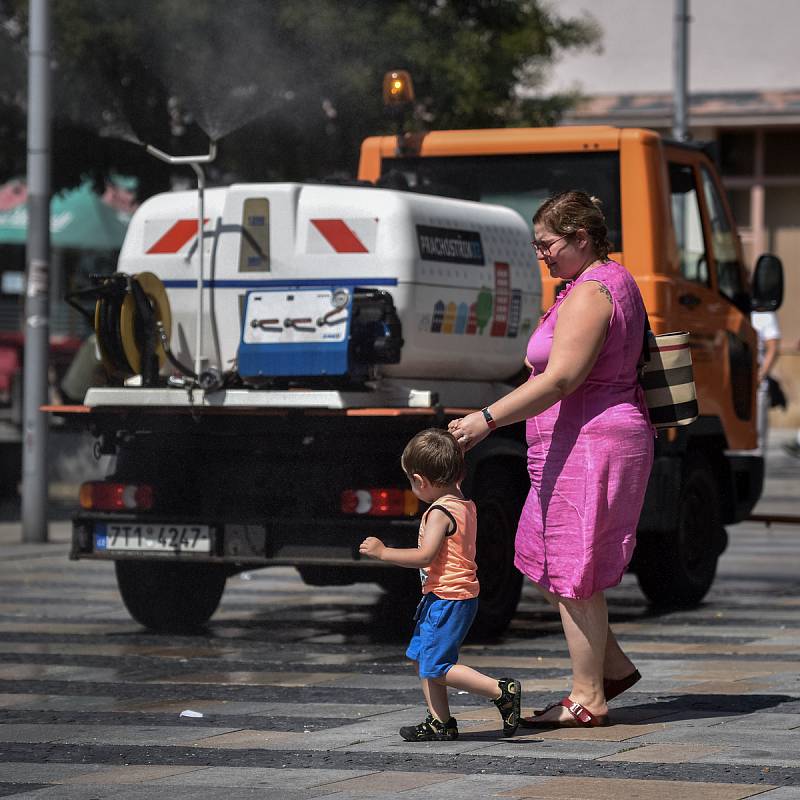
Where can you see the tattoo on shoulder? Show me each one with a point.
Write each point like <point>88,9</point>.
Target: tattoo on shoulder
<point>604,290</point>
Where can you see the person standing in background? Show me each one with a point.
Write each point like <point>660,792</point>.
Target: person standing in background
<point>793,448</point>
<point>769,340</point>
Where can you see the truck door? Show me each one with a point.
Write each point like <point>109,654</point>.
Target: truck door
<point>708,291</point>
<point>741,340</point>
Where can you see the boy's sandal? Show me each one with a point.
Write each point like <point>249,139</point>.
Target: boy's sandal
<point>611,688</point>
<point>581,718</point>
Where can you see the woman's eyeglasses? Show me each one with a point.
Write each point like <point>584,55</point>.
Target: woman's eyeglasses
<point>543,248</point>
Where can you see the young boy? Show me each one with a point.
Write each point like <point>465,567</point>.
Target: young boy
<point>445,557</point>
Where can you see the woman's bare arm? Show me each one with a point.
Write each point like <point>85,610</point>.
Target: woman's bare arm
<point>578,337</point>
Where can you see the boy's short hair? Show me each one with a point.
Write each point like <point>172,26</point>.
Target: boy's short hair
<point>435,454</point>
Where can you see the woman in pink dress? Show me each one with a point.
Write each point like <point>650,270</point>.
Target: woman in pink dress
<point>590,449</point>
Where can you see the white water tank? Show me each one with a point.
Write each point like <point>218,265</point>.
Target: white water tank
<point>463,276</point>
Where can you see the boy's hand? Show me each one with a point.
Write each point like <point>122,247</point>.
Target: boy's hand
<point>372,547</point>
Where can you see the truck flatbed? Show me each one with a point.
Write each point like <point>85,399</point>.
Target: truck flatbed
<point>395,396</point>
<point>448,411</point>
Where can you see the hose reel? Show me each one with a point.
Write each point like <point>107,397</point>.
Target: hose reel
<point>127,313</point>
<point>131,320</point>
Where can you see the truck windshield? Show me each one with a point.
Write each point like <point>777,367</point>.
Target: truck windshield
<point>522,182</point>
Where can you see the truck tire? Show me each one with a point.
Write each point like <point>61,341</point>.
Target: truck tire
<point>676,568</point>
<point>394,612</point>
<point>313,575</point>
<point>499,496</point>
<point>170,597</point>
<point>400,582</point>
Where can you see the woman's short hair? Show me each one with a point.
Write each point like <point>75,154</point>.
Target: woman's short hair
<point>567,212</point>
<point>435,454</point>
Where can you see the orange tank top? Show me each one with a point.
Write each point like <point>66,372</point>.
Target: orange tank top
<point>452,575</point>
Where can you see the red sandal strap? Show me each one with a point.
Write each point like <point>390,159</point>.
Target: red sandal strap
<point>578,711</point>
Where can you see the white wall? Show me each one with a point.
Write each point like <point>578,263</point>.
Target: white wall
<point>734,45</point>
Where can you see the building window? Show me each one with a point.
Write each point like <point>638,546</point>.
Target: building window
<point>737,152</point>
<point>739,200</point>
<point>783,222</point>
<point>782,153</point>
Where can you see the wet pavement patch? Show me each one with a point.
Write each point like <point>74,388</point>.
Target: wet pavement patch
<point>8,789</point>
<point>253,722</point>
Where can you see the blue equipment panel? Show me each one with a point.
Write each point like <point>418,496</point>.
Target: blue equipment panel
<point>296,332</point>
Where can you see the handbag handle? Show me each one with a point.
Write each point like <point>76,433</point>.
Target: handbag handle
<point>646,340</point>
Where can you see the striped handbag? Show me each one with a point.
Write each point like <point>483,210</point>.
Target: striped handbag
<point>667,378</point>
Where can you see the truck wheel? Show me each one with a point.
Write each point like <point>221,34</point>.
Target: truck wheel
<point>170,597</point>
<point>499,496</point>
<point>403,584</point>
<point>313,575</point>
<point>676,568</point>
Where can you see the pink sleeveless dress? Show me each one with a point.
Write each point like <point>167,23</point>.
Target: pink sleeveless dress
<point>589,456</point>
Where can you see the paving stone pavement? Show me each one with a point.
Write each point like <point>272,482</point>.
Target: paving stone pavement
<point>302,689</point>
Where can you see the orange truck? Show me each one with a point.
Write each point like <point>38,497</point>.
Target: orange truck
<point>334,322</point>
<point>671,226</point>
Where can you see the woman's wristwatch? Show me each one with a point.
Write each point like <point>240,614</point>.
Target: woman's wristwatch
<point>489,418</point>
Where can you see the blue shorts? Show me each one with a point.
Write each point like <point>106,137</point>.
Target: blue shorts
<point>441,627</point>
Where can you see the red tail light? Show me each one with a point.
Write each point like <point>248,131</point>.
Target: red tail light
<point>379,502</point>
<point>103,496</point>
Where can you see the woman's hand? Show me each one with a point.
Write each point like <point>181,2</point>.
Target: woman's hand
<point>470,430</point>
<point>578,338</point>
<point>372,547</point>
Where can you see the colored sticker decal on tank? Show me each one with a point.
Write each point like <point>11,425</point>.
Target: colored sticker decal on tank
<point>502,292</point>
<point>514,312</point>
<point>483,309</point>
<point>448,317</point>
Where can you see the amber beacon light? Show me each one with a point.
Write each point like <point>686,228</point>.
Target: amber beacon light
<point>398,89</point>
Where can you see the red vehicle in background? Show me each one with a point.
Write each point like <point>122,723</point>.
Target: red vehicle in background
<point>12,349</point>
<point>86,231</point>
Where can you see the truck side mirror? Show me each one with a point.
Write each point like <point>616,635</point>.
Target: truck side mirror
<point>767,289</point>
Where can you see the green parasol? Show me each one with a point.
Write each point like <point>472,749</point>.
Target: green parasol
<point>79,220</point>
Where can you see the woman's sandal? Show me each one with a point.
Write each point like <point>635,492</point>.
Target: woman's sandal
<point>581,718</point>
<point>612,687</point>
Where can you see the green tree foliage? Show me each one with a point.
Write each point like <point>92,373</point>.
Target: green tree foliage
<point>289,88</point>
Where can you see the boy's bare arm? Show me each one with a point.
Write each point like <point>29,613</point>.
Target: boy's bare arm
<point>414,557</point>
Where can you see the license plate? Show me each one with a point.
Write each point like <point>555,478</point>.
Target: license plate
<point>152,538</point>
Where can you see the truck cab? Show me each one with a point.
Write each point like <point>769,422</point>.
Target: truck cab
<point>670,225</point>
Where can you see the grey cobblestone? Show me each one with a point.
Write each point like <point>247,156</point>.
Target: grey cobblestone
<point>510,763</point>
<point>86,694</point>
